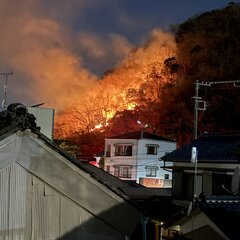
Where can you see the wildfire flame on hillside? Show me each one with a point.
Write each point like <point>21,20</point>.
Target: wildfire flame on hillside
<point>49,67</point>
<point>109,94</point>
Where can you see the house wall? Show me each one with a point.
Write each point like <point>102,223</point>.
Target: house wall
<point>147,160</point>
<point>31,209</point>
<point>139,159</point>
<point>210,179</point>
<point>112,160</point>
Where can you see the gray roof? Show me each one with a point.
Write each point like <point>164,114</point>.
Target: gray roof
<point>41,157</point>
<point>17,118</point>
<point>224,211</point>
<point>141,135</point>
<point>211,148</point>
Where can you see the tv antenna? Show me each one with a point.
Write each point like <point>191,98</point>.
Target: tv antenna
<point>4,102</point>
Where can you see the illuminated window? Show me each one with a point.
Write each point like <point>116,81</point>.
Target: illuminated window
<point>152,149</point>
<point>151,171</point>
<point>123,150</point>
<point>123,171</point>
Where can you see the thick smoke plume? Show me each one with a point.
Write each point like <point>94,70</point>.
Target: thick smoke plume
<point>45,54</point>
<point>51,60</point>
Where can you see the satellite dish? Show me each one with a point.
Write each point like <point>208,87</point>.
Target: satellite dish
<point>235,181</point>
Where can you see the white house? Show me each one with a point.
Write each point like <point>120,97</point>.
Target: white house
<point>137,156</point>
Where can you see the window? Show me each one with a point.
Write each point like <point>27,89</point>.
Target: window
<point>152,149</point>
<point>123,150</point>
<point>108,168</point>
<point>151,171</point>
<point>108,151</point>
<point>166,176</point>
<point>123,171</point>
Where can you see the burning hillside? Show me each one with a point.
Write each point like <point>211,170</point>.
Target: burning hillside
<point>110,94</point>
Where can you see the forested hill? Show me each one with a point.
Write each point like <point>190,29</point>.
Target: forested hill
<point>154,86</point>
<point>208,49</point>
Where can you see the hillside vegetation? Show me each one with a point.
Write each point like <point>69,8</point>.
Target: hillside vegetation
<point>153,88</point>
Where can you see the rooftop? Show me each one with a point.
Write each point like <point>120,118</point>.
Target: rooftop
<point>141,135</point>
<point>224,211</point>
<point>211,148</point>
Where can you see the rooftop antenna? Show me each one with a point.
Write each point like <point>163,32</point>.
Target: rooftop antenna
<point>4,102</point>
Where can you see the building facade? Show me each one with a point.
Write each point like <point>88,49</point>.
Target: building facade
<point>137,156</point>
<point>218,155</point>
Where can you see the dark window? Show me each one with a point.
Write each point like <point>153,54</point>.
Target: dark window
<point>123,150</point>
<point>152,149</point>
<point>166,176</point>
<point>108,151</point>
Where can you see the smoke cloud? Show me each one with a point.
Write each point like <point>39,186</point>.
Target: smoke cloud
<point>38,44</point>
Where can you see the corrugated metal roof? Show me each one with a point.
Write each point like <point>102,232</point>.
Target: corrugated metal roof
<point>31,209</point>
<point>23,144</point>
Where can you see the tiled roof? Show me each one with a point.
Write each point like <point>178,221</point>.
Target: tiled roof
<point>224,211</point>
<point>141,135</point>
<point>215,148</point>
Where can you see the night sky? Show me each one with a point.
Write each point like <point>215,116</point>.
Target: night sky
<point>49,45</point>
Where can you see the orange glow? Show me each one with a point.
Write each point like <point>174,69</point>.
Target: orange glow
<point>99,104</point>
<point>131,106</point>
<point>42,52</point>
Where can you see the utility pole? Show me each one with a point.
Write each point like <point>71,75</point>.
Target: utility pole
<point>198,101</point>
<point>4,102</point>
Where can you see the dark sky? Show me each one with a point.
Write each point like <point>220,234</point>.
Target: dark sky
<point>136,18</point>
<point>60,46</point>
